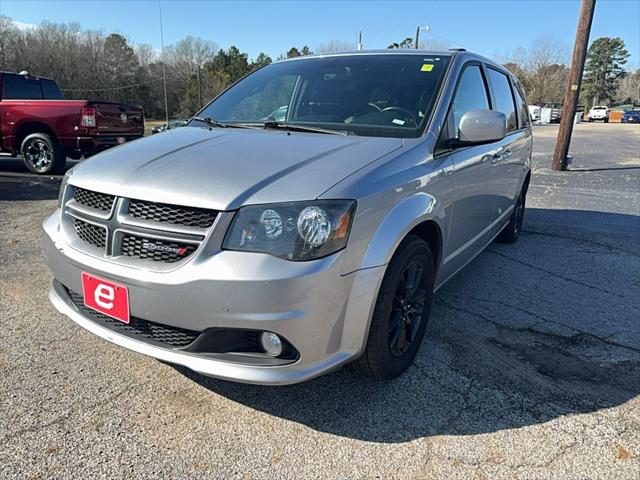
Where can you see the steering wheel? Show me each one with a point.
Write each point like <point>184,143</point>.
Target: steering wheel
<point>409,116</point>
<point>375,107</point>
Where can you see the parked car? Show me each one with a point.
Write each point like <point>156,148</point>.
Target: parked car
<point>36,122</point>
<point>600,113</point>
<point>169,126</point>
<point>534,112</point>
<point>273,252</point>
<point>556,111</point>
<point>631,116</point>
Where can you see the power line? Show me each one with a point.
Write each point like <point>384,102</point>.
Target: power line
<point>460,44</point>
<point>106,89</point>
<point>431,8</point>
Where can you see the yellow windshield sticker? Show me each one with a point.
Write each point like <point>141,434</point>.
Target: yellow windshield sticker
<point>427,67</point>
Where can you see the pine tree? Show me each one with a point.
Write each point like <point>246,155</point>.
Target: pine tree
<point>606,58</point>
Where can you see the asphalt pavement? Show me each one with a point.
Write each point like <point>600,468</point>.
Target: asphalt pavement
<point>530,368</point>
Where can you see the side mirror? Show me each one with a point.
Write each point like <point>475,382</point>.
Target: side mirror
<point>481,126</point>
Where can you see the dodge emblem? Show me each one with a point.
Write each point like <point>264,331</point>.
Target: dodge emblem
<point>123,117</point>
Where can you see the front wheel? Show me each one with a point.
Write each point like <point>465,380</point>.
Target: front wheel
<point>401,311</point>
<point>42,154</point>
<point>511,232</point>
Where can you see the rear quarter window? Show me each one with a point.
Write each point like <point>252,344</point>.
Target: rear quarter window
<point>524,118</point>
<point>50,90</point>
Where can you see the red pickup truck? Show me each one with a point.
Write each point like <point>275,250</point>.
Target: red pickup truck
<point>36,122</point>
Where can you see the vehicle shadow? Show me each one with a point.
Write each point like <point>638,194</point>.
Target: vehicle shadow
<point>527,333</point>
<point>603,169</point>
<point>18,184</point>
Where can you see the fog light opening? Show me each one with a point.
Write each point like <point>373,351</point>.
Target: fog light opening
<point>271,344</point>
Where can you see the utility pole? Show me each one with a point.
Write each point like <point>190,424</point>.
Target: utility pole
<point>360,40</point>
<point>574,81</point>
<point>164,73</point>
<point>199,88</point>
<point>418,28</point>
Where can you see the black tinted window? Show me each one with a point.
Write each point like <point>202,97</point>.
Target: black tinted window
<point>470,95</point>
<point>20,88</point>
<point>523,110</point>
<point>50,90</point>
<point>503,97</point>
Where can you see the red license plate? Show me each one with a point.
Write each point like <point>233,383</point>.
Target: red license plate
<point>121,140</point>
<point>106,297</point>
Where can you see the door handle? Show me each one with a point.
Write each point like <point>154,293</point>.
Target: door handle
<point>500,154</point>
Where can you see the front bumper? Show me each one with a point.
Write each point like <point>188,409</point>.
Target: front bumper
<point>323,314</point>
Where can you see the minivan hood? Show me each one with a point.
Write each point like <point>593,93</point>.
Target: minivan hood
<point>223,169</point>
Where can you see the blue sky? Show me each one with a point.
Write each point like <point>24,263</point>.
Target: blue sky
<point>490,27</point>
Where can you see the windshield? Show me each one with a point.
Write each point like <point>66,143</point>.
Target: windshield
<point>381,95</point>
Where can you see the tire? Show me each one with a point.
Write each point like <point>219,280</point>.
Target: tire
<point>383,358</point>
<point>511,231</point>
<point>42,154</point>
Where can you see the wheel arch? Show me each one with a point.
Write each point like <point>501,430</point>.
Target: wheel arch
<point>525,184</point>
<point>430,232</point>
<point>419,215</point>
<point>27,128</point>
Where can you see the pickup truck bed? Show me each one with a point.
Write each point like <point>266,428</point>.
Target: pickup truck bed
<point>47,130</point>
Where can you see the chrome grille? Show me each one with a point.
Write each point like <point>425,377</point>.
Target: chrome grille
<point>156,250</point>
<point>91,234</point>
<point>165,335</point>
<point>172,214</point>
<point>95,200</point>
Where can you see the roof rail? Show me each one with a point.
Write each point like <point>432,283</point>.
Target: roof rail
<point>457,49</point>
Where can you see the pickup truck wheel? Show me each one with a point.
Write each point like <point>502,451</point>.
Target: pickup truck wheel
<point>511,232</point>
<point>41,154</point>
<point>401,311</point>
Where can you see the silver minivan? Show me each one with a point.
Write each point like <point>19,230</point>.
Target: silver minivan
<point>302,220</point>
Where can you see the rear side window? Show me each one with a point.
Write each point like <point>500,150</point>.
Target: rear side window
<point>470,95</point>
<point>503,97</point>
<point>50,90</point>
<point>523,112</point>
<point>17,87</point>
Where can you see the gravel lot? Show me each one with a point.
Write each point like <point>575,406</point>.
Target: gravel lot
<point>530,368</point>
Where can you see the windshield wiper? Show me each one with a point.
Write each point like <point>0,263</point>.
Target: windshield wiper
<point>215,123</point>
<point>301,128</point>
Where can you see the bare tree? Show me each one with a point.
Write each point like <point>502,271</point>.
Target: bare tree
<point>629,90</point>
<point>8,40</point>
<point>547,50</point>
<point>189,54</point>
<point>333,46</point>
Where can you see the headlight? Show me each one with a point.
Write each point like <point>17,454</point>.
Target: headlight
<point>293,231</point>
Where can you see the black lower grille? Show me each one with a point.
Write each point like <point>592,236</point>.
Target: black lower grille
<point>162,335</point>
<point>156,250</point>
<point>90,233</point>
<point>96,200</point>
